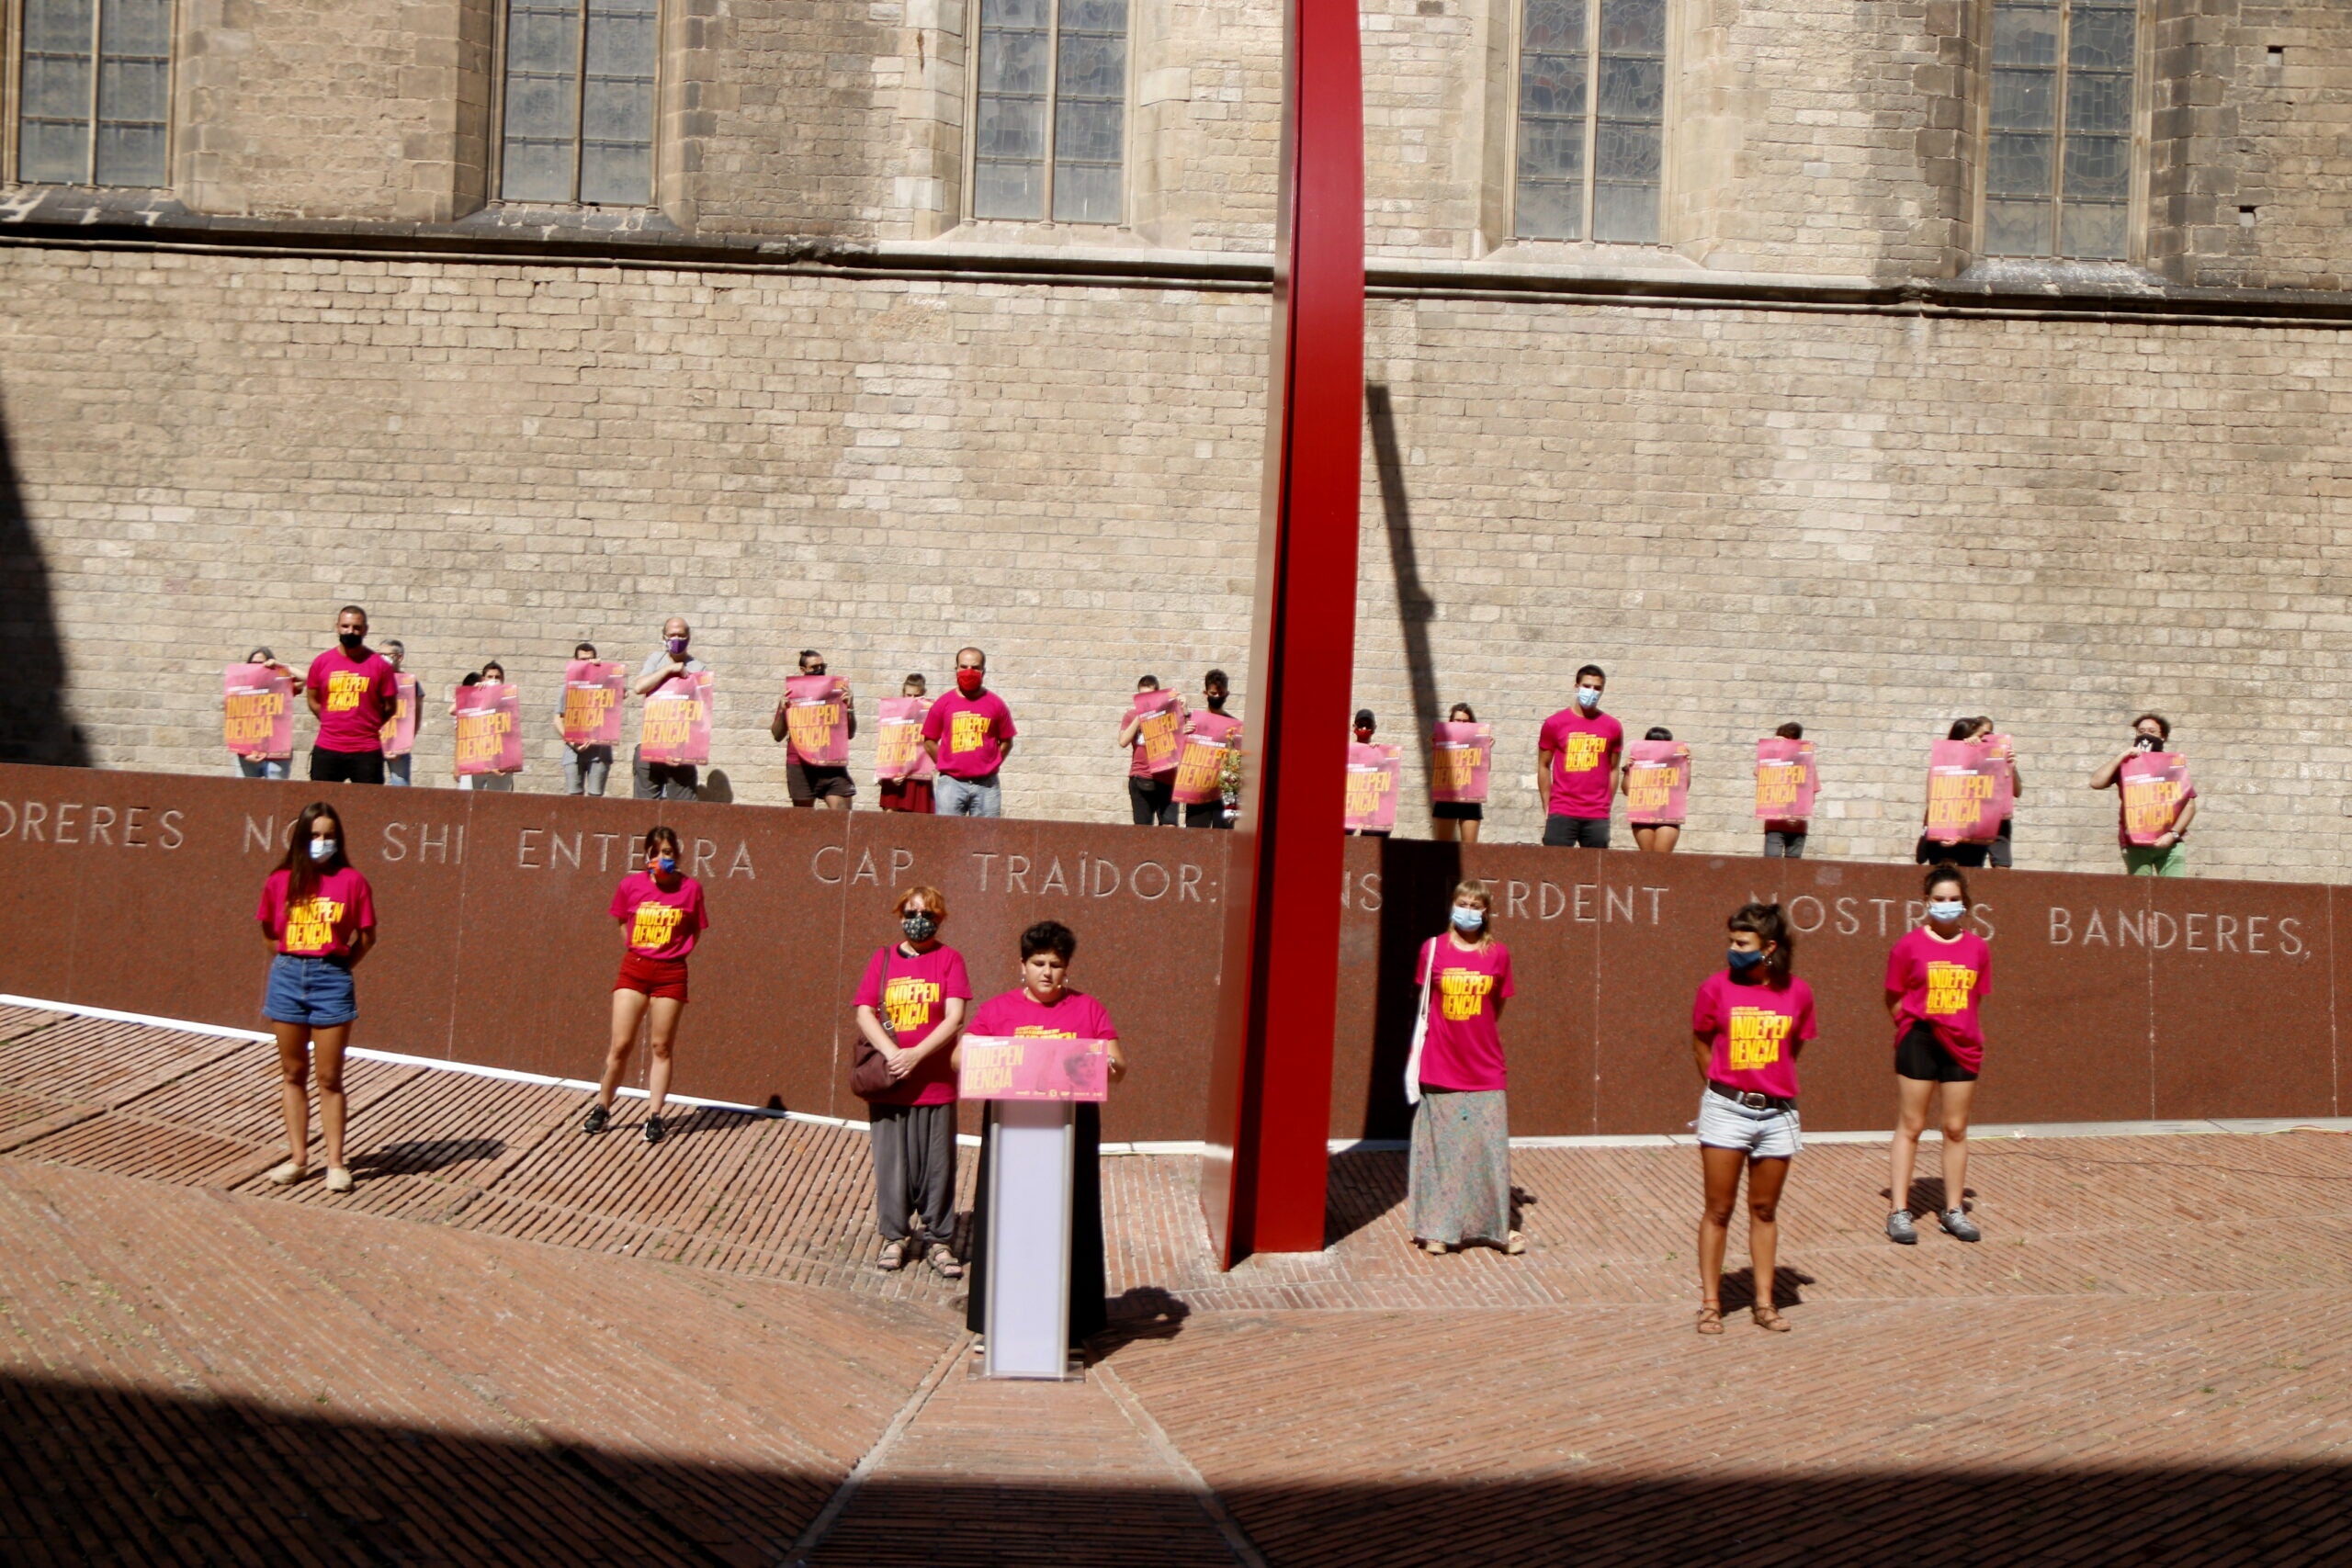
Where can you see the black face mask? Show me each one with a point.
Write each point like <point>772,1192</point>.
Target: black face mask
<point>2146,743</point>
<point>352,641</point>
<point>919,927</point>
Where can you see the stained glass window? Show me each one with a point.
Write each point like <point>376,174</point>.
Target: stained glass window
<point>1050,125</point>
<point>2058,157</point>
<point>1591,119</point>
<point>579,119</point>
<point>94,108</point>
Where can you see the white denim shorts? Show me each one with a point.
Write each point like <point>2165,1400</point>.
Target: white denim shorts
<point>1760,1134</point>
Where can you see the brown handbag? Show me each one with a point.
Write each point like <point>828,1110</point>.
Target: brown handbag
<point>869,1070</point>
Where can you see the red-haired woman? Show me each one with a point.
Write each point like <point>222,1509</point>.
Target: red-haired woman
<point>319,914</point>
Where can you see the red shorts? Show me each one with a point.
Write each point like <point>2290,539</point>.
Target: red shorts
<point>653,977</point>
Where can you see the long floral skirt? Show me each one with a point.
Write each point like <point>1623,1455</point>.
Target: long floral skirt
<point>1461,1169</point>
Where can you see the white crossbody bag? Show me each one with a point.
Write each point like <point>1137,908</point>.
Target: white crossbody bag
<point>1420,1031</point>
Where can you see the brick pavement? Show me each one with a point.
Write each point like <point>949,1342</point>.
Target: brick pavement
<point>583,1348</point>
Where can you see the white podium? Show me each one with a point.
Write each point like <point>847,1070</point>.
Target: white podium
<point>1025,1313</point>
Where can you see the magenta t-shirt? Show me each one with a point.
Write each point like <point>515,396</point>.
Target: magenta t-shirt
<point>355,696</point>
<point>1464,1048</point>
<point>912,1005</point>
<point>971,732</point>
<point>659,924</point>
<point>1756,1030</point>
<point>1941,983</point>
<point>1584,753</point>
<point>1018,1015</point>
<point>323,925</point>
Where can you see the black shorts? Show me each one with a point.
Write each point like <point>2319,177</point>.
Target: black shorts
<point>345,767</point>
<point>1968,856</point>
<point>1921,1056</point>
<point>1458,811</point>
<point>1576,832</point>
<point>806,783</point>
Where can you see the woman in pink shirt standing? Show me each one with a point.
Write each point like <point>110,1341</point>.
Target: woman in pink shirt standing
<point>660,909</point>
<point>1936,977</point>
<point>911,1007</point>
<point>1460,1178</point>
<point>319,915</point>
<point>1748,1023</point>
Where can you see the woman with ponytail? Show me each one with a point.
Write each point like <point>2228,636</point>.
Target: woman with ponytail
<point>1750,1022</point>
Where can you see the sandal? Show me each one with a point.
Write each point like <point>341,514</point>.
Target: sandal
<point>338,1179</point>
<point>943,1258</point>
<point>1514,1243</point>
<point>1710,1320</point>
<point>1434,1248</point>
<point>1768,1319</point>
<point>892,1258</point>
<point>289,1173</point>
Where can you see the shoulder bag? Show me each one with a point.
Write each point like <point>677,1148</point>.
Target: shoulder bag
<point>1420,1031</point>
<point>869,1070</point>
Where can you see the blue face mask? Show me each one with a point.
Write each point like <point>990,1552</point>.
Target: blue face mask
<point>323,850</point>
<point>1947,911</point>
<point>1467,920</point>
<point>667,865</point>
<point>1741,962</point>
<point>1588,697</point>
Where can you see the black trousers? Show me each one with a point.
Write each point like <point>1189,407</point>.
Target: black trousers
<point>914,1172</point>
<point>1154,799</point>
<point>345,767</point>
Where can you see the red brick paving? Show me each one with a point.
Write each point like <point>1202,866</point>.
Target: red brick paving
<point>582,1348</point>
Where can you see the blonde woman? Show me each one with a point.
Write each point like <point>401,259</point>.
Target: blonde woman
<point>1460,1181</point>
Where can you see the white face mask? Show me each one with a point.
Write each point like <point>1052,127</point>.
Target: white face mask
<point>1588,697</point>
<point>1949,911</point>
<point>323,850</point>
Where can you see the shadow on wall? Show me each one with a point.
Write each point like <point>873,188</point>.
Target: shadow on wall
<point>34,725</point>
<point>129,1474</point>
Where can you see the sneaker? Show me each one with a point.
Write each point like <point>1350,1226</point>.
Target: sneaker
<point>597,1120</point>
<point>1900,1229</point>
<point>289,1173</point>
<point>338,1179</point>
<point>1958,1224</point>
<point>654,1131</point>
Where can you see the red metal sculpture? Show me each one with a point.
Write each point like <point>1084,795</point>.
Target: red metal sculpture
<point>1269,1089</point>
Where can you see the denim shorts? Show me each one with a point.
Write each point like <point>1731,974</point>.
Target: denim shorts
<point>316,991</point>
<point>1760,1134</point>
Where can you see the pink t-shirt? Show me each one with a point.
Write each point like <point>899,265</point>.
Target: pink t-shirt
<point>324,924</point>
<point>971,732</point>
<point>918,996</point>
<point>1756,1030</point>
<point>357,695</point>
<point>1218,727</point>
<point>1464,1047</point>
<point>1018,1015</point>
<point>661,924</point>
<point>1584,753</point>
<point>1941,983</point>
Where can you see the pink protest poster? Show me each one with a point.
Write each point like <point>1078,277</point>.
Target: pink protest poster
<point>816,719</point>
<point>257,710</point>
<point>1967,784</point>
<point>1784,780</point>
<point>400,731</point>
<point>1462,761</point>
<point>2156,785</point>
<point>1033,1068</point>
<point>1658,783</point>
<point>1162,732</point>
<point>674,730</point>
<point>1200,772</point>
<point>490,738</point>
<point>1372,787</point>
<point>900,754</point>
<point>592,702</point>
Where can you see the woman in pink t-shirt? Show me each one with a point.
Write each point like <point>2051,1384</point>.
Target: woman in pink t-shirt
<point>319,917</point>
<point>1747,1023</point>
<point>661,916</point>
<point>910,1008</point>
<point>1936,977</point>
<point>1459,1181</point>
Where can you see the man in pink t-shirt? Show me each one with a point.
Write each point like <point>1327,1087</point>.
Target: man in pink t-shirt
<point>1578,756</point>
<point>353,690</point>
<point>1211,724</point>
<point>968,734</point>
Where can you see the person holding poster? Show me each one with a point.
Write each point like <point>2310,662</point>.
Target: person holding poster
<point>816,718</point>
<point>476,718</point>
<point>1458,1183</point>
<point>1658,790</point>
<point>319,917</point>
<point>1576,754</point>
<point>905,768</point>
<point>352,690</point>
<point>909,1009</point>
<point>665,672</point>
<point>1786,773</point>
<point>1748,1023</point>
<point>1153,736</point>
<point>1462,762</point>
<point>408,717</point>
<point>268,766</point>
<point>660,909</point>
<point>1937,977</point>
<point>968,735</point>
<point>1045,1007</point>
<point>1959,794</point>
<point>1372,783</point>
<point>1204,796</point>
<point>588,711</point>
<point>2001,851</point>
<point>2155,801</point>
